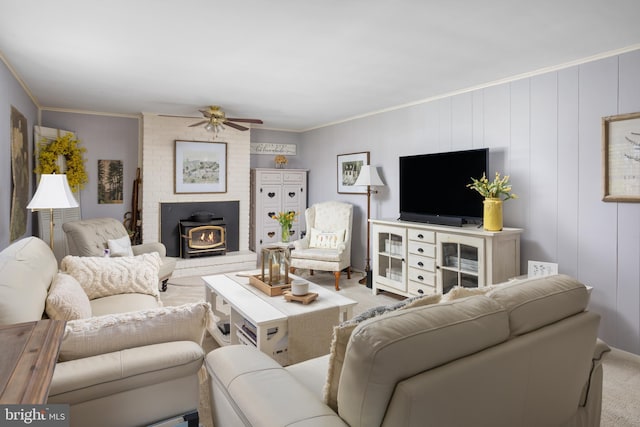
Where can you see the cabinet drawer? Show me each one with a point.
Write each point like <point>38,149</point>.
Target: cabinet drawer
<point>420,289</point>
<point>420,248</point>
<point>290,177</point>
<point>422,262</point>
<point>271,177</point>
<point>422,277</point>
<point>421,235</point>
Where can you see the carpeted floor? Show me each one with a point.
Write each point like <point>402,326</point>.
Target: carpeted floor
<point>621,389</point>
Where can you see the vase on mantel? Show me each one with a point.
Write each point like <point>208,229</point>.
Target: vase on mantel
<point>284,236</point>
<point>492,217</point>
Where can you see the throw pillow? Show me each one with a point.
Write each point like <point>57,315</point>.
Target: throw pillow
<point>342,334</point>
<point>458,292</point>
<point>326,239</point>
<point>120,247</point>
<point>101,277</point>
<point>66,299</point>
<point>115,332</point>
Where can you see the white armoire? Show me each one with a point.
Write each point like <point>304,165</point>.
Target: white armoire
<point>274,191</point>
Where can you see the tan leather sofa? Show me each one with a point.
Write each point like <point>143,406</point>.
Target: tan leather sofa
<point>90,237</point>
<point>524,354</point>
<point>126,369</point>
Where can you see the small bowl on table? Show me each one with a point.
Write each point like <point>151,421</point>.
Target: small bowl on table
<point>299,287</point>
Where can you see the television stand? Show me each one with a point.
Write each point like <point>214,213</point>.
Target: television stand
<point>413,258</point>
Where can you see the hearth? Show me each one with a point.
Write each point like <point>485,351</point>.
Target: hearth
<point>202,235</point>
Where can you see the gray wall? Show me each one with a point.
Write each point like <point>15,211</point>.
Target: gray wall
<point>106,138</point>
<point>12,94</point>
<point>545,131</point>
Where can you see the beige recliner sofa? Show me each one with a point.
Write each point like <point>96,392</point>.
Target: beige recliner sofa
<point>118,367</point>
<point>90,237</point>
<point>524,354</point>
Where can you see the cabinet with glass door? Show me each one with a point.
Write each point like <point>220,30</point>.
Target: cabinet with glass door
<point>389,267</point>
<point>460,261</point>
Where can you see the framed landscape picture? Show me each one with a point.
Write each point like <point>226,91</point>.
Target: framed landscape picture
<point>621,158</point>
<point>200,167</point>
<point>349,166</point>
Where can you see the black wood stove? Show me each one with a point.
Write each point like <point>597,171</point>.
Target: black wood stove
<point>202,234</point>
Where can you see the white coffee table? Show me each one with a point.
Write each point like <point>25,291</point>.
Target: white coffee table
<point>256,319</point>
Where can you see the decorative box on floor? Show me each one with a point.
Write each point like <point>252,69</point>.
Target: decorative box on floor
<point>274,273</point>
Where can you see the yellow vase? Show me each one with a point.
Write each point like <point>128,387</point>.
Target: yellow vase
<point>492,214</point>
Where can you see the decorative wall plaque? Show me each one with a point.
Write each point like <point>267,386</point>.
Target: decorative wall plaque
<point>273,148</point>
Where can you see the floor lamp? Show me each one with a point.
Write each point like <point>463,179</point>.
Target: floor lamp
<point>368,177</point>
<point>53,192</point>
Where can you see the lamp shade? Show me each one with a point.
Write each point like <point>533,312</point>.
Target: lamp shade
<point>369,176</point>
<point>53,193</point>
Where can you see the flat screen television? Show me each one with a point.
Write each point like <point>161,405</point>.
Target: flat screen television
<point>433,187</point>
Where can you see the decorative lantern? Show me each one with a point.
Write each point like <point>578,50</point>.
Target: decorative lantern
<point>275,265</point>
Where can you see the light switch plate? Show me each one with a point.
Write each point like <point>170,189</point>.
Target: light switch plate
<point>539,268</point>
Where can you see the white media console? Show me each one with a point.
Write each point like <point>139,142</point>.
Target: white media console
<point>411,258</point>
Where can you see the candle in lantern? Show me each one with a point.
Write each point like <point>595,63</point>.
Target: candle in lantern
<point>275,272</point>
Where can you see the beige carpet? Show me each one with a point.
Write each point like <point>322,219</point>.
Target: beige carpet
<point>621,390</point>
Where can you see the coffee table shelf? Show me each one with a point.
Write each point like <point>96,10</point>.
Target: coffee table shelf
<point>250,312</point>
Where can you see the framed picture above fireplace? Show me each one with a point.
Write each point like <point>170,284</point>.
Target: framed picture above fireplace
<point>200,167</point>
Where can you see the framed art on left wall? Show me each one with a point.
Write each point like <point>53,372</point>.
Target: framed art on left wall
<point>200,167</point>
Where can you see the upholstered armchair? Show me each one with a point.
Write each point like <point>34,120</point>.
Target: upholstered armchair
<point>327,244</point>
<point>90,237</point>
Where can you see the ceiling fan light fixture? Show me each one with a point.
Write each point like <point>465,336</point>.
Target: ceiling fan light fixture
<point>209,127</point>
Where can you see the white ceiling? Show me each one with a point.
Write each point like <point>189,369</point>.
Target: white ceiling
<point>295,64</point>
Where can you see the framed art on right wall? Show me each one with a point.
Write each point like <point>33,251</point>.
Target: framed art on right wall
<point>348,169</point>
<point>621,158</point>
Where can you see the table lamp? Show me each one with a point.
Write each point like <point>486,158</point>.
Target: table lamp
<point>53,192</point>
<point>368,177</point>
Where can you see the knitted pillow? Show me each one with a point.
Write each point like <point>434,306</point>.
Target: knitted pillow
<point>66,299</point>
<point>342,334</point>
<point>101,277</point>
<point>115,332</point>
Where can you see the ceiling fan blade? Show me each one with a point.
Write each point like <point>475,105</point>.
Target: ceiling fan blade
<point>199,123</point>
<point>206,113</point>
<point>178,116</point>
<point>233,125</point>
<point>256,121</point>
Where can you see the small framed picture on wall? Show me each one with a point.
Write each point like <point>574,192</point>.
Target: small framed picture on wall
<point>349,166</point>
<point>621,158</point>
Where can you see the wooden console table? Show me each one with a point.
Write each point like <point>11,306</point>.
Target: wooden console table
<point>27,359</point>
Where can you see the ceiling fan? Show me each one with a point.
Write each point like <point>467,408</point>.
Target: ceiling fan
<point>216,118</point>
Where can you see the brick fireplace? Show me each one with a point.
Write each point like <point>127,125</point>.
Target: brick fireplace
<point>158,161</point>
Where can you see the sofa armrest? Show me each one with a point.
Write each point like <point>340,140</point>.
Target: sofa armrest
<point>114,332</point>
<point>149,247</point>
<point>591,398</point>
<point>88,378</point>
<point>261,392</point>
<point>600,350</point>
